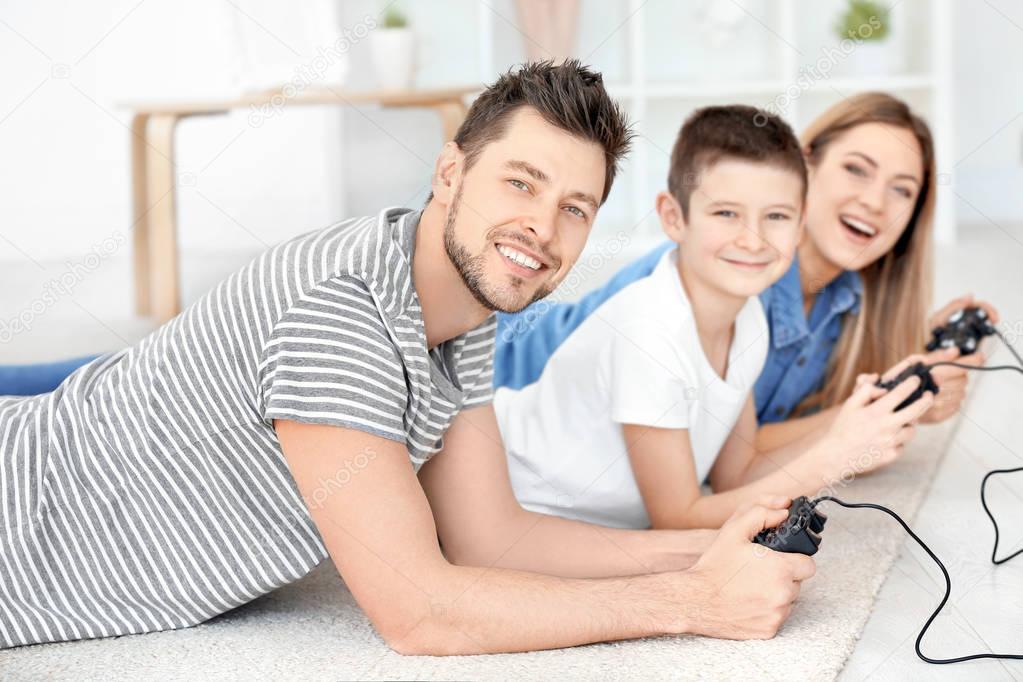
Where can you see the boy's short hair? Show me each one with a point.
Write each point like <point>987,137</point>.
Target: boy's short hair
<point>569,96</point>
<point>736,131</point>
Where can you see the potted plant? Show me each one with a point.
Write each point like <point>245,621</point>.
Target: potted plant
<point>867,24</point>
<point>393,45</point>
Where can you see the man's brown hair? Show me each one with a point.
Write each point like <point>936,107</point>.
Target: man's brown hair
<point>735,131</point>
<point>569,96</point>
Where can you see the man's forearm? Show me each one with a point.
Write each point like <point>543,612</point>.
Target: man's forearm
<point>479,611</point>
<point>557,546</point>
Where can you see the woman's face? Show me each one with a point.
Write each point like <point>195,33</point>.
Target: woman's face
<point>862,193</point>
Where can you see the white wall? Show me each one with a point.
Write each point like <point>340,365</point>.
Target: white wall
<point>64,144</point>
<point>989,111</point>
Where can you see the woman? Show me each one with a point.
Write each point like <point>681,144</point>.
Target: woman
<point>854,300</point>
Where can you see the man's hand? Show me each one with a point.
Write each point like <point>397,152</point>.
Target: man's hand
<point>770,502</point>
<point>744,590</point>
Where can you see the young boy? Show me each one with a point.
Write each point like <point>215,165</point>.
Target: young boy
<point>640,404</point>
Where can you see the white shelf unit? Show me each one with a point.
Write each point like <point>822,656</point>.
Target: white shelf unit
<point>637,43</point>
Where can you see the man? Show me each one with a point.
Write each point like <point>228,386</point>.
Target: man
<point>286,414</point>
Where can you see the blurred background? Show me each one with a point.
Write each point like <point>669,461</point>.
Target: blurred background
<point>247,176</point>
<point>221,127</point>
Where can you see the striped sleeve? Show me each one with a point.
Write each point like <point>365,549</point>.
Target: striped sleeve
<point>330,360</point>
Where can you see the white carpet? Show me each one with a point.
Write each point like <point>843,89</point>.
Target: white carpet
<point>314,630</point>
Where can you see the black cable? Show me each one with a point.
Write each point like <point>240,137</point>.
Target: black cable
<point>1011,349</point>
<point>982,368</point>
<point>944,572</point>
<point>923,545</point>
<point>983,502</point>
<point>983,483</point>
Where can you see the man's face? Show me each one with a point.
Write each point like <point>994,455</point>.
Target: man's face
<point>521,214</point>
<point>743,226</point>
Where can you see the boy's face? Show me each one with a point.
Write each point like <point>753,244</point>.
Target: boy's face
<point>519,217</point>
<point>743,226</point>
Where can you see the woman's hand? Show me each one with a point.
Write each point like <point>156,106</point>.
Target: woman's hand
<point>940,318</point>
<point>952,382</point>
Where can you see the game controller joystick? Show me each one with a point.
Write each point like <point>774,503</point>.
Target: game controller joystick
<point>926,383</point>
<point>799,533</point>
<point>964,330</point>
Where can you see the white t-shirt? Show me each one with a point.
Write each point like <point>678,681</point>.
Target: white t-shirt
<point>635,360</point>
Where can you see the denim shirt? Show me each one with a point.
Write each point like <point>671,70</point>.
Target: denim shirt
<point>796,360</point>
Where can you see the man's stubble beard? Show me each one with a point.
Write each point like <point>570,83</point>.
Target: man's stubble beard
<point>472,269</point>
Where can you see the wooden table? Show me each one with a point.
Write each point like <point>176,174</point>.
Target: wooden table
<point>157,289</point>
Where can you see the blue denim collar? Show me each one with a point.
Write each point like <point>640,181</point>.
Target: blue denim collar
<point>788,323</point>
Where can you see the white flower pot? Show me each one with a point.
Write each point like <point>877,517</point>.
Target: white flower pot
<point>394,57</point>
<point>875,58</point>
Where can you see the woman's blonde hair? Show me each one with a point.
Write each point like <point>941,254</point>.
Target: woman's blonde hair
<point>897,288</point>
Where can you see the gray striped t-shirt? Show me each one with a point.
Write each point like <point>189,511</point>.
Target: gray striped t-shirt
<point>149,491</point>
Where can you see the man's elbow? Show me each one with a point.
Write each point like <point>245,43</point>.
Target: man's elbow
<point>431,635</point>
<point>409,644</point>
<point>423,621</point>
<point>420,644</point>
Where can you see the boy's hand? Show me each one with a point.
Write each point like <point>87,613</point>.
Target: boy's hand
<point>744,590</point>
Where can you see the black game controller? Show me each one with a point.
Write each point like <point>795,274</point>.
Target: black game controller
<point>926,383</point>
<point>964,329</point>
<point>799,533</point>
